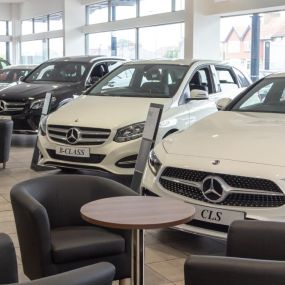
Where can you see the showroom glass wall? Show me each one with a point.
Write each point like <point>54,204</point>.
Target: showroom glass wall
<point>237,47</point>
<point>5,30</point>
<point>137,42</point>
<point>38,51</point>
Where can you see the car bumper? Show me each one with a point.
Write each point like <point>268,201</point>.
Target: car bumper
<point>151,186</point>
<point>109,154</point>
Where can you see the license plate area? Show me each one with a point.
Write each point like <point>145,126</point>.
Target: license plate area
<point>7,118</point>
<point>73,151</point>
<point>216,215</point>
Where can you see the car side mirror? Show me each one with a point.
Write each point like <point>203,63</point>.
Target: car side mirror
<point>197,94</point>
<point>21,79</point>
<point>223,103</point>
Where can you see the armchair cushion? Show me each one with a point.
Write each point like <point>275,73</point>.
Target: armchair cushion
<point>84,242</point>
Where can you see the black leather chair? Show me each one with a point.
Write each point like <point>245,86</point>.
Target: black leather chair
<point>99,274</point>
<point>6,130</point>
<point>255,256</point>
<point>52,235</point>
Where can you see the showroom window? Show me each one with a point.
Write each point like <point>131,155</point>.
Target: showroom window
<point>34,52</point>
<point>150,7</point>
<point>154,42</point>
<point>4,50</point>
<point>55,22</point>
<point>237,48</point>
<point>98,13</point>
<point>5,28</point>
<point>118,43</point>
<point>42,24</point>
<point>122,9</point>
<point>113,10</point>
<point>55,48</point>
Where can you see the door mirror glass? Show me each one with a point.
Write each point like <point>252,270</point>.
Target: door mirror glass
<point>223,103</point>
<point>21,78</point>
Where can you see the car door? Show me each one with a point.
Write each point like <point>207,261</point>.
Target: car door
<point>226,82</point>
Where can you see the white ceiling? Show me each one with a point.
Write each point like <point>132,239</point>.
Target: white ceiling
<point>12,1</point>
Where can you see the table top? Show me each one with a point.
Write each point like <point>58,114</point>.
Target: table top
<point>137,212</point>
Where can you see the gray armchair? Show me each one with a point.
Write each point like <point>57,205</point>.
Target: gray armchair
<point>255,256</point>
<point>99,274</point>
<point>52,235</point>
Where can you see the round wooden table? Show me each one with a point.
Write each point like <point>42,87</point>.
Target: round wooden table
<point>137,213</point>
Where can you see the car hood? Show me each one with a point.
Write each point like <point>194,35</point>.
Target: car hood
<point>103,111</point>
<point>25,91</point>
<point>248,137</point>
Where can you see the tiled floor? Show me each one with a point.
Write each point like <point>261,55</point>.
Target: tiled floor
<point>166,250</point>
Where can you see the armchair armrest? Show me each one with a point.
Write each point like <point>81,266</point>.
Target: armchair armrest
<point>97,274</point>
<point>257,240</point>
<point>201,270</point>
<point>8,261</point>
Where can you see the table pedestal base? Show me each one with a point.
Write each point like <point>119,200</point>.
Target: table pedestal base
<point>137,257</point>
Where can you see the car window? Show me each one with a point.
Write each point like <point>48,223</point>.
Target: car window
<point>98,71</point>
<point>58,72</point>
<point>201,80</point>
<point>142,80</point>
<point>266,96</point>
<point>12,75</point>
<point>242,79</point>
<point>122,80</point>
<point>226,79</point>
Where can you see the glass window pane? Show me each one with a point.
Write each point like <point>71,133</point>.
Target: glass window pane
<point>124,43</point>
<point>41,25</point>
<point>154,42</point>
<point>122,9</point>
<point>27,27</point>
<point>99,44</point>
<point>150,7</point>
<point>55,22</point>
<point>98,13</point>
<point>3,50</point>
<point>3,28</point>
<point>179,5</point>
<point>56,47</point>
<point>33,52</point>
<point>10,27</point>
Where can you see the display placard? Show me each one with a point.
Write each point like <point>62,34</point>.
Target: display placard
<point>148,141</point>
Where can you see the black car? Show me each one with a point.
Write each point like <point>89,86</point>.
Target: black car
<point>63,77</point>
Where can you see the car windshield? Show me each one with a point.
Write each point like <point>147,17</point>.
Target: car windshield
<point>60,71</point>
<point>142,80</point>
<point>12,75</point>
<point>268,96</point>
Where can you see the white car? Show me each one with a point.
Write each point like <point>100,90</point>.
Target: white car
<point>102,129</point>
<point>230,165</point>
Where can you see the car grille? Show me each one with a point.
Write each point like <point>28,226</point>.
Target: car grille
<point>94,158</point>
<point>170,180</point>
<point>11,107</point>
<point>87,136</point>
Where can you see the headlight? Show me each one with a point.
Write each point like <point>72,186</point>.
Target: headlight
<point>39,104</point>
<point>154,163</point>
<point>129,133</point>
<point>43,125</point>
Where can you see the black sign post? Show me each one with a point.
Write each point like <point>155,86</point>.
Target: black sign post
<point>36,154</point>
<point>148,141</point>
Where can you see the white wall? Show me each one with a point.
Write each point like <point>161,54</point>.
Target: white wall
<point>5,12</point>
<point>34,8</point>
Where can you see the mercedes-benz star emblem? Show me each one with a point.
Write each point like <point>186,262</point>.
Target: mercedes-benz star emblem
<point>72,136</point>
<point>2,106</point>
<point>213,190</point>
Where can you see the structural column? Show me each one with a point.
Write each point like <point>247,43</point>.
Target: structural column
<point>74,20</point>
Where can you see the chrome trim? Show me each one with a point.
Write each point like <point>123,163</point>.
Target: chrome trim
<point>227,189</point>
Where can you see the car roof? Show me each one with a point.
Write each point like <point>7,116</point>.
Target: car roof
<point>20,66</point>
<point>276,75</point>
<point>86,58</point>
<point>176,61</point>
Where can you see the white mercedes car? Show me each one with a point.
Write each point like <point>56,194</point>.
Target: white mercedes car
<point>102,129</point>
<point>230,165</point>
